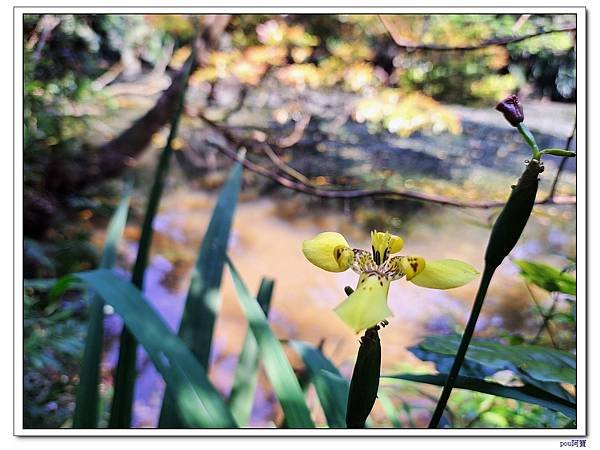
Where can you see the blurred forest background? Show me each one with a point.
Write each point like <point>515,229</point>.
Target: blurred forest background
<point>323,105</point>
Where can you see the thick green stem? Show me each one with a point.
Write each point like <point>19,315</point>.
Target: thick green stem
<point>488,272</point>
<point>505,234</point>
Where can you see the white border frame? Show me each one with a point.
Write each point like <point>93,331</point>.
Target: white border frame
<point>581,183</point>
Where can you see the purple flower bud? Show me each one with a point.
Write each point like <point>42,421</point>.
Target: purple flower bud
<point>512,110</point>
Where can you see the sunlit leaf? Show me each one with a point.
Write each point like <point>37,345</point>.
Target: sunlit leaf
<point>485,357</point>
<point>203,299</point>
<point>332,388</point>
<point>199,403</point>
<point>280,373</point>
<point>547,277</point>
<point>246,372</point>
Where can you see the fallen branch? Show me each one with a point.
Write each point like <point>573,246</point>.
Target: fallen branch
<point>300,185</point>
<point>115,154</point>
<point>363,193</point>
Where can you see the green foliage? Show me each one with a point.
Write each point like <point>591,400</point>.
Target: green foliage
<point>199,403</point>
<point>527,393</point>
<point>542,367</point>
<point>487,74</point>
<point>477,410</point>
<point>387,89</point>
<point>280,373</point>
<point>547,277</point>
<point>121,408</point>
<point>53,333</point>
<point>246,372</point>
<point>203,299</point>
<point>87,405</point>
<point>63,56</point>
<point>332,389</point>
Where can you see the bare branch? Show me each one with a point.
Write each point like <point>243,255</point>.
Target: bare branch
<point>296,135</point>
<point>562,162</point>
<point>310,189</point>
<point>241,100</point>
<point>363,193</point>
<point>545,317</point>
<point>284,167</point>
<point>503,41</point>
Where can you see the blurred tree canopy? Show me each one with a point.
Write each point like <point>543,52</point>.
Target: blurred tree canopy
<point>81,71</point>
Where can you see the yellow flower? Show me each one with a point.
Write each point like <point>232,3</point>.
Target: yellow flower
<point>367,305</point>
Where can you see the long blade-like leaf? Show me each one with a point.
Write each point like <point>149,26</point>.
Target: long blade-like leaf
<point>388,408</point>
<point>124,382</point>
<point>280,373</point>
<point>202,303</point>
<point>195,397</point>
<point>333,396</point>
<point>527,393</point>
<point>246,373</point>
<point>86,405</point>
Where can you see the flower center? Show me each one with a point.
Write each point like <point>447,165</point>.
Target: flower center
<point>381,246</point>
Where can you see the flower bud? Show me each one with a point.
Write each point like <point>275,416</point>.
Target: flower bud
<point>512,110</point>
<point>365,380</point>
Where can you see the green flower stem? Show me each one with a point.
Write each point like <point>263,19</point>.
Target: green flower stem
<point>505,234</point>
<point>488,273</point>
<point>124,381</point>
<point>530,140</point>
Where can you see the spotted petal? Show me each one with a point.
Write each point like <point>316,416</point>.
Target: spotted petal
<point>445,274</point>
<point>412,266</point>
<point>367,305</point>
<point>329,251</point>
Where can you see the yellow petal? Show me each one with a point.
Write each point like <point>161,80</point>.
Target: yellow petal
<point>445,274</point>
<point>396,244</point>
<point>384,245</point>
<point>367,306</point>
<point>413,266</point>
<point>329,251</point>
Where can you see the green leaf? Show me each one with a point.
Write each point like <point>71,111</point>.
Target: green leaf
<point>558,152</point>
<point>60,287</point>
<point>124,380</point>
<point>547,277</point>
<point>280,373</point>
<point>528,394</point>
<point>388,408</point>
<point>87,403</point>
<point>332,393</point>
<point>40,284</point>
<point>246,373</point>
<point>195,397</point>
<point>445,274</point>
<point>203,299</point>
<point>537,362</point>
